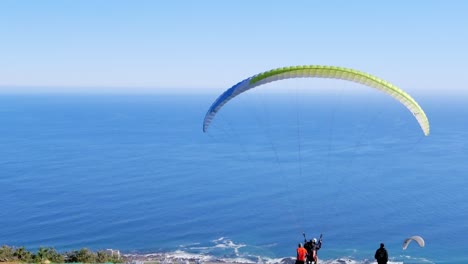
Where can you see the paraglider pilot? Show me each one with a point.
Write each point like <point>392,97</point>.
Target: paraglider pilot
<point>316,245</point>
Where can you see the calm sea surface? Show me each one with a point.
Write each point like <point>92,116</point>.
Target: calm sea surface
<point>136,173</point>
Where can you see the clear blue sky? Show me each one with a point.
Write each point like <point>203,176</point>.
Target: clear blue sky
<point>151,45</point>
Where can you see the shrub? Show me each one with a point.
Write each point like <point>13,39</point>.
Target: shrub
<point>83,255</point>
<point>47,253</point>
<point>6,254</point>
<point>22,255</point>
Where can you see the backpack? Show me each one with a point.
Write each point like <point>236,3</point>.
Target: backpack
<point>382,254</point>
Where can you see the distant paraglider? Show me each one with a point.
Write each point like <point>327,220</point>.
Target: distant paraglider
<point>318,71</point>
<point>418,239</point>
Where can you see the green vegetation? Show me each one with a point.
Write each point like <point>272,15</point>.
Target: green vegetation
<point>50,255</point>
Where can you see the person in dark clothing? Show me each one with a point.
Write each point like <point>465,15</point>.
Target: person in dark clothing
<point>308,247</point>
<point>381,254</point>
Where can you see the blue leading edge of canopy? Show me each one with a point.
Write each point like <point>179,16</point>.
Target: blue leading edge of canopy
<point>224,97</point>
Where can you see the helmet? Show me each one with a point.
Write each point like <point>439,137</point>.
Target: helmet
<point>315,240</point>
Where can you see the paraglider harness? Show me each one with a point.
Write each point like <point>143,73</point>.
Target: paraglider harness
<point>312,249</point>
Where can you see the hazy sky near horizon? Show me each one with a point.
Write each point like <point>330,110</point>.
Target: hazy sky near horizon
<point>201,45</point>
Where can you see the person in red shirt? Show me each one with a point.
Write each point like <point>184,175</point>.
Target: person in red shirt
<point>301,254</point>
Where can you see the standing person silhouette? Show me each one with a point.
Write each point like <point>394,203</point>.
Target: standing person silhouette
<point>381,254</point>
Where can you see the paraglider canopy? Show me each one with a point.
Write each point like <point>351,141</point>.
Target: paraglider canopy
<point>318,71</point>
<point>418,239</point>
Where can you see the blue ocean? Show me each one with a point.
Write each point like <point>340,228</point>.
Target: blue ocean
<point>138,174</point>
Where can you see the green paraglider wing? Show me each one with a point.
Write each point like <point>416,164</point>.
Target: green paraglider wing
<point>317,71</point>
